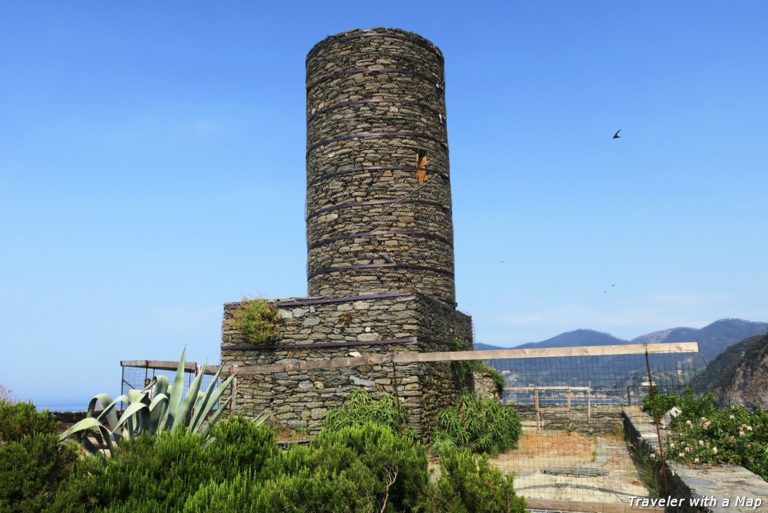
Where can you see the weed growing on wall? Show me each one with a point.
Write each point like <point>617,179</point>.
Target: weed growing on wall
<point>258,320</point>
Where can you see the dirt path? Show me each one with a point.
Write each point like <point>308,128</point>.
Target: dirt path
<point>572,466</point>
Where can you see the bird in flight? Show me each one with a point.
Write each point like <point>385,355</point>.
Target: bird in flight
<point>616,135</point>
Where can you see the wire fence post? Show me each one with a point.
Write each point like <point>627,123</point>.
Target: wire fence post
<point>652,392</point>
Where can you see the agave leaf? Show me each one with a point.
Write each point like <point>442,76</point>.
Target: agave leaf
<point>206,408</point>
<point>156,410</point>
<point>198,417</point>
<point>109,413</point>
<point>104,400</point>
<point>187,401</point>
<point>161,386</point>
<point>128,415</point>
<point>86,424</point>
<point>176,392</point>
<point>261,418</point>
<point>214,418</point>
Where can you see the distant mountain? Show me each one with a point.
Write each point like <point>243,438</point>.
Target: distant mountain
<point>619,372</point>
<point>578,338</point>
<point>479,346</point>
<point>713,339</point>
<point>739,375</point>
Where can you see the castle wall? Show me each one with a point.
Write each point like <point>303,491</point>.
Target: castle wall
<point>373,99</point>
<point>335,327</point>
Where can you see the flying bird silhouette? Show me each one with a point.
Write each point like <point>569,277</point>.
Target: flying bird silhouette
<point>616,135</point>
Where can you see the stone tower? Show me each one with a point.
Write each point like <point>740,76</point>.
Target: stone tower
<point>380,266</point>
<point>374,98</point>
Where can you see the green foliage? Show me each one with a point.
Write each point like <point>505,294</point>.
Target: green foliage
<point>360,409</point>
<point>18,420</point>
<point>166,469</point>
<point>32,463</point>
<point>463,370</point>
<point>157,408</point>
<point>704,434</point>
<point>481,425</point>
<point>258,320</point>
<point>398,463</point>
<point>656,404</point>
<point>468,484</point>
<point>368,468</point>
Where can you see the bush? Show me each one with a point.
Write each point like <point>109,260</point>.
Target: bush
<point>480,425</point>
<point>258,320</point>
<point>32,463</point>
<point>656,404</point>
<point>361,409</point>
<point>468,484</point>
<point>704,434</point>
<point>167,469</point>
<point>357,469</point>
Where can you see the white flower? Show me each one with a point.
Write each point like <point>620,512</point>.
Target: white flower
<point>696,460</point>
<point>653,455</point>
<point>714,450</point>
<point>749,428</point>
<point>701,443</point>
<point>687,448</point>
<point>731,417</point>
<point>688,423</point>
<point>682,455</point>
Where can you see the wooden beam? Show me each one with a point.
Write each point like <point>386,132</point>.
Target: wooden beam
<point>457,356</point>
<point>528,389</point>
<point>166,365</point>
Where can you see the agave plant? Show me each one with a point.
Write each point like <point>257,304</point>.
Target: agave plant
<point>158,407</point>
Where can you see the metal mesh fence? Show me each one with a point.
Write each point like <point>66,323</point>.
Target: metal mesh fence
<point>137,374</point>
<point>573,446</point>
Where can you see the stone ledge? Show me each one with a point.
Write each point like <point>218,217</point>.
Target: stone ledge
<point>699,484</point>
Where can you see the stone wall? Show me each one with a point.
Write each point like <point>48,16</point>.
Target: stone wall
<point>691,484</point>
<point>374,98</point>
<point>342,327</point>
<point>485,387</point>
<point>601,419</point>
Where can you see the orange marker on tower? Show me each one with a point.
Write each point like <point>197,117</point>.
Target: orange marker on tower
<point>421,166</point>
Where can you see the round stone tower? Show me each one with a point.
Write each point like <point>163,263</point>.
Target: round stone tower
<point>375,223</point>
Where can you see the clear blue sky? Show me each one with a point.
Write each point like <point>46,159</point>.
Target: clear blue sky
<point>152,168</point>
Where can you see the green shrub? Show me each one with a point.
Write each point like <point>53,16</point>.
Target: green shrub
<point>368,468</point>
<point>656,404</point>
<point>468,484</point>
<point>703,434</point>
<point>480,425</point>
<point>389,456</point>
<point>32,463</point>
<point>360,409</point>
<point>258,320</point>
<point>167,468</point>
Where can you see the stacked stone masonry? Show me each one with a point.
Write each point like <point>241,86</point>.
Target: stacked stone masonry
<point>374,98</point>
<point>337,327</point>
<point>380,261</point>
